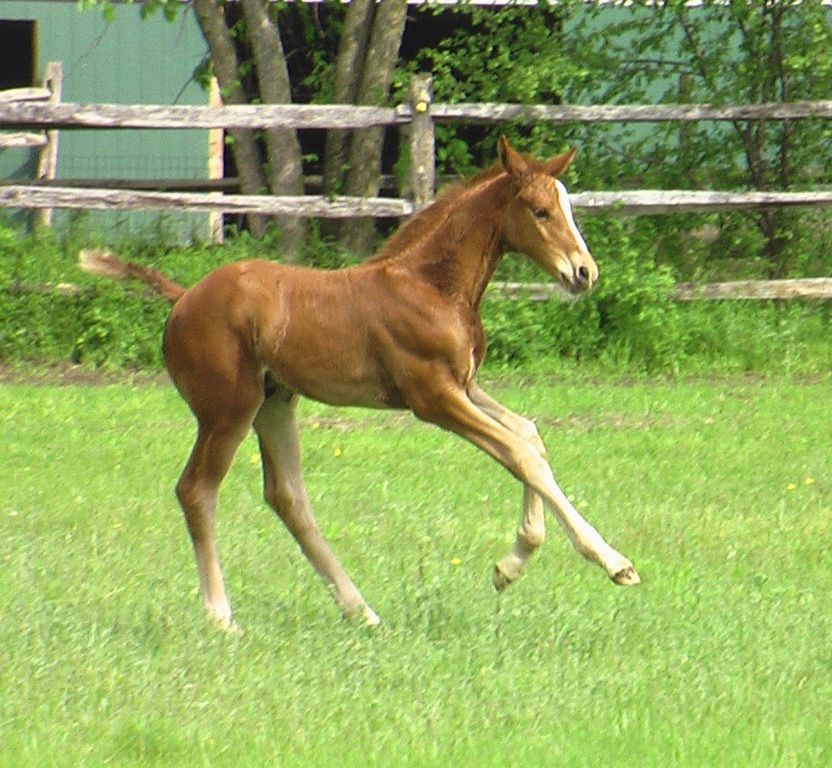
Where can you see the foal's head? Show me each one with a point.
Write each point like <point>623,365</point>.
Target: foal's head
<point>539,219</point>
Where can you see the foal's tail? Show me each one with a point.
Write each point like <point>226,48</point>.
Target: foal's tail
<point>104,263</point>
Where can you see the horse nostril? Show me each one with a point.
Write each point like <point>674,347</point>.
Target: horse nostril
<point>582,275</point>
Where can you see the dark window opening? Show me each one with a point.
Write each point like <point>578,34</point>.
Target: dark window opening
<point>18,53</point>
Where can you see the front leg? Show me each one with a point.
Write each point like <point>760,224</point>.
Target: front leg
<point>529,537</point>
<point>442,401</point>
<point>532,529</point>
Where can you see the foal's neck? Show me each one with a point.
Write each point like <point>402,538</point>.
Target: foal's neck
<point>460,254</point>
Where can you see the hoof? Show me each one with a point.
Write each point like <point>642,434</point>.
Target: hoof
<point>220,617</point>
<point>234,629</point>
<point>501,578</point>
<point>626,577</point>
<point>371,619</point>
<point>362,614</point>
<point>228,626</point>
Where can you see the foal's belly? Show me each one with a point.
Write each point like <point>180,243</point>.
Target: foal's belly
<point>335,366</point>
<point>339,390</point>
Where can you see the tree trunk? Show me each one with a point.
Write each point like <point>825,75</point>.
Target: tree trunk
<point>348,66</point>
<point>285,168</point>
<point>367,55</point>
<point>364,156</point>
<point>211,19</point>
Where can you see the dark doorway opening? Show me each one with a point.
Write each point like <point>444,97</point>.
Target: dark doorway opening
<point>18,53</point>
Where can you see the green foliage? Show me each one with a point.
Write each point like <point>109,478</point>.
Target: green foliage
<point>512,54</point>
<point>646,52</point>
<point>635,310</point>
<point>716,52</point>
<point>722,53</point>
<point>54,312</point>
<point>629,322</point>
<point>629,316</point>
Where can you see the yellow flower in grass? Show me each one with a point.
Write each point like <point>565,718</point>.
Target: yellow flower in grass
<point>806,481</point>
<point>456,561</point>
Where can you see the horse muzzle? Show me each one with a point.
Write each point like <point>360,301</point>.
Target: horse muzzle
<point>578,273</point>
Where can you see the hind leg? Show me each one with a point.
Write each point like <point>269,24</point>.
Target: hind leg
<point>197,493</point>
<point>277,429</point>
<point>223,388</point>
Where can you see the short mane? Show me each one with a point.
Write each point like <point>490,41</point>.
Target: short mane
<point>432,215</point>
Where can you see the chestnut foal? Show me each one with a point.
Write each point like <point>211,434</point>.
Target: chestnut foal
<point>401,330</point>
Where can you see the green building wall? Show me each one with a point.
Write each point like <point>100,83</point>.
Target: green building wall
<point>128,60</point>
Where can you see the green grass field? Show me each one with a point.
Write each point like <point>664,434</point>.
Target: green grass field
<point>719,490</point>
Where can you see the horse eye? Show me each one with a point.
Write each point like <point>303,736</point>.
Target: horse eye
<point>540,213</point>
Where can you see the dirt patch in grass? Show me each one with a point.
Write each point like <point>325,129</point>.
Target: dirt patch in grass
<point>69,374</point>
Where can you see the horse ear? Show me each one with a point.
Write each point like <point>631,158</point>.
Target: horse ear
<point>557,165</point>
<point>513,162</point>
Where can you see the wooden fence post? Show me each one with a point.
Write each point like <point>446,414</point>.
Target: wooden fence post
<point>53,78</point>
<point>422,142</point>
<point>216,164</point>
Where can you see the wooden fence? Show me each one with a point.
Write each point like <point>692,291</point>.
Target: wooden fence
<point>46,142</point>
<point>418,117</point>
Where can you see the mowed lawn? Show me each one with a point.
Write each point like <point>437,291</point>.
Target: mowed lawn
<point>719,490</point>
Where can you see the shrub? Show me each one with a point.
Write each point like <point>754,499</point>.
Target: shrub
<point>629,321</point>
<point>629,317</point>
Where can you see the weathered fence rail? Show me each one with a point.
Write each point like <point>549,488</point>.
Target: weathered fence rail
<point>23,196</point>
<point>72,116</point>
<point>801,288</point>
<point>643,202</point>
<point>22,111</point>
<point>630,113</point>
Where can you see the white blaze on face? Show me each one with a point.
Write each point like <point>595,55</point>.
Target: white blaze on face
<point>566,207</point>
